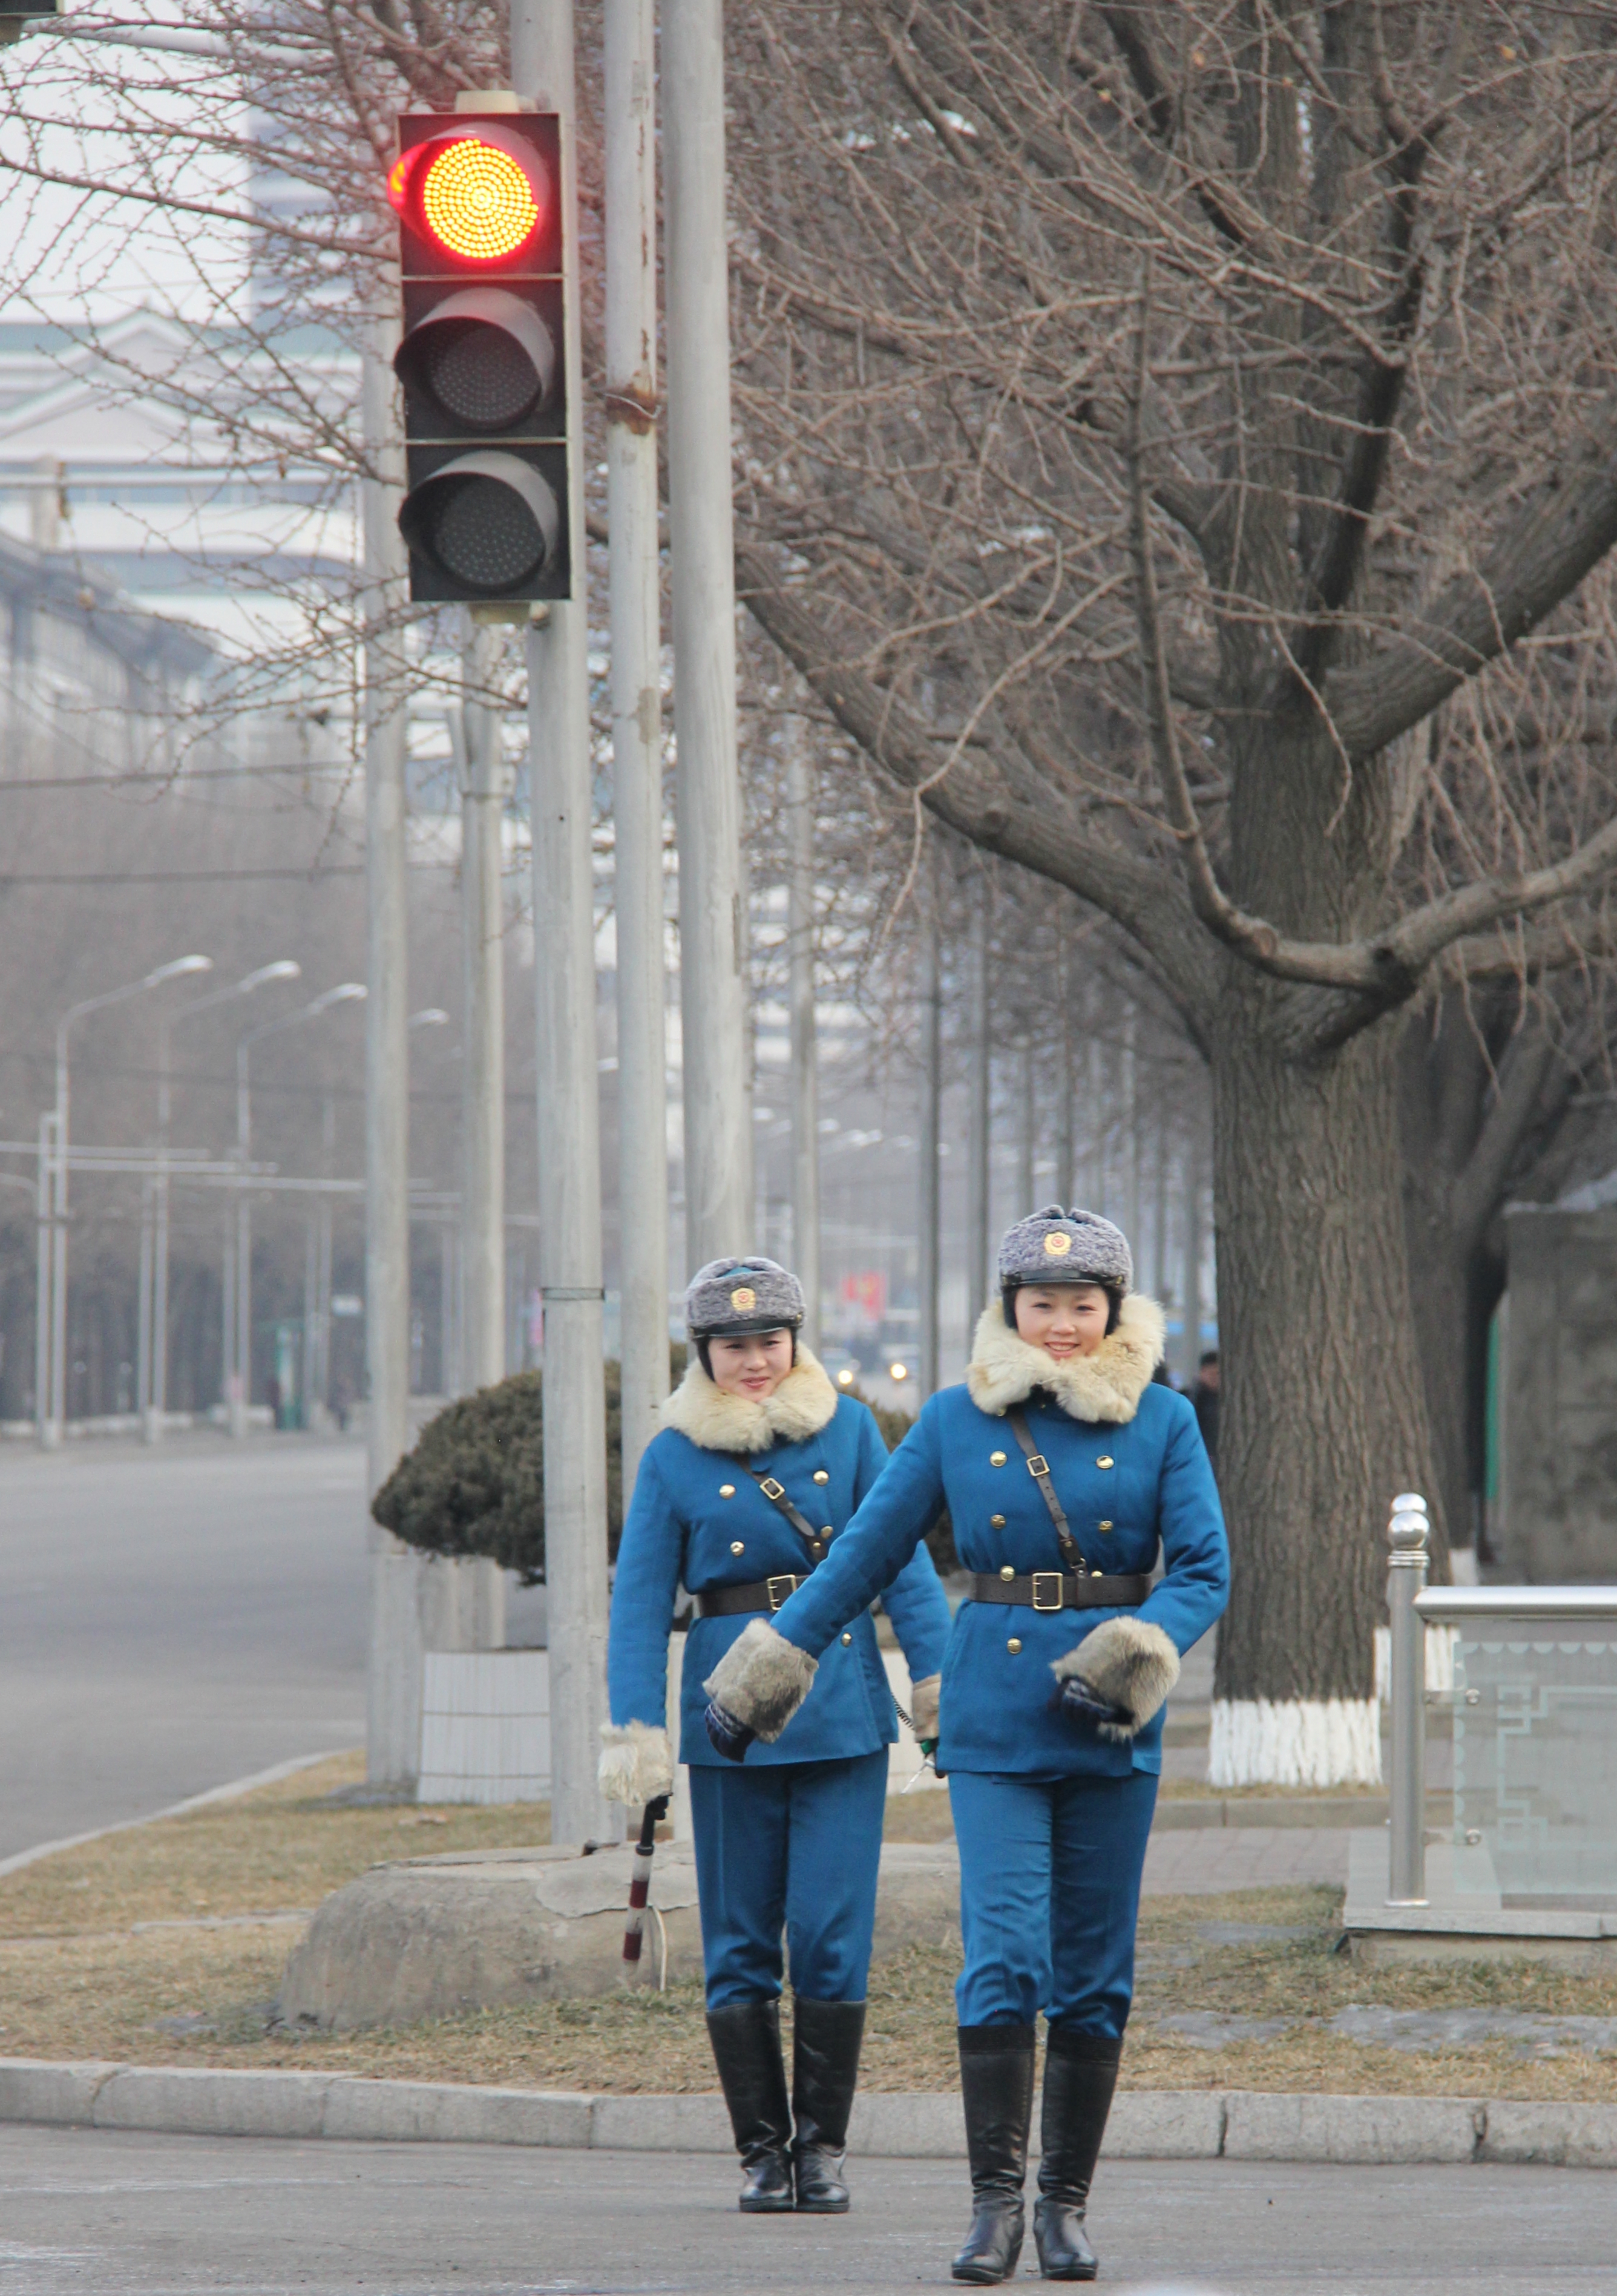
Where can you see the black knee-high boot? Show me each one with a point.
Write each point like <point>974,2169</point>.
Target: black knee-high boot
<point>1080,2073</point>
<point>824,2072</point>
<point>996,2090</point>
<point>746,2038</point>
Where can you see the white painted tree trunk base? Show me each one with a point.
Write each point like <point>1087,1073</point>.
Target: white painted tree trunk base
<point>1295,1742</point>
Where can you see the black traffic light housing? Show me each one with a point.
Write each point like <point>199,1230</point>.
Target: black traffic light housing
<point>483,357</point>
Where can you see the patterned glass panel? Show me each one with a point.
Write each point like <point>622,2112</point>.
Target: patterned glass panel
<point>1535,1764</point>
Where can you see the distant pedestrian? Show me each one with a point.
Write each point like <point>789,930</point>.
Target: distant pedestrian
<point>758,1465</point>
<point>1204,1401</point>
<point>1065,1470</point>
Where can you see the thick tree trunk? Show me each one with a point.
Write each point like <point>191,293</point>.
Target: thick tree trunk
<point>1323,1415</point>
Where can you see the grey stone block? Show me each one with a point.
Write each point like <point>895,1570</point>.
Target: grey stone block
<point>1562,2136</point>
<point>455,2113</point>
<point>32,2088</point>
<point>213,2101</point>
<point>1165,2125</point>
<point>1390,2131</point>
<point>913,2128</point>
<point>661,2124</point>
<point>436,1938</point>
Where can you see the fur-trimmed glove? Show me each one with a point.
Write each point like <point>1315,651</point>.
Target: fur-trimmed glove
<point>1127,1667</point>
<point>761,1680</point>
<point>923,1705</point>
<point>637,1763</point>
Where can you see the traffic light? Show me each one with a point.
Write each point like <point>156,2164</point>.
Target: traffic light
<point>482,361</point>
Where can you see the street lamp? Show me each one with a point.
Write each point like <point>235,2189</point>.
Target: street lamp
<point>151,1377</point>
<point>240,1371</point>
<point>51,1313</point>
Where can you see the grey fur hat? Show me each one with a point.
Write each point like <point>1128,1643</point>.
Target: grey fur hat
<point>1057,1247</point>
<point>742,1295</point>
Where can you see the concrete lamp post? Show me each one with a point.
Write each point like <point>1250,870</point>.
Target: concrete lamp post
<point>50,1314</point>
<point>238,1392</point>
<point>151,1380</point>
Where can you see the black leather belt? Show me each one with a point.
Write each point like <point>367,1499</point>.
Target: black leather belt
<point>761,1595</point>
<point>1062,1590</point>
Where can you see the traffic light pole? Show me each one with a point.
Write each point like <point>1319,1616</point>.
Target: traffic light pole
<point>394,1672</point>
<point>569,1123</point>
<point>636,718</point>
<point>712,921</point>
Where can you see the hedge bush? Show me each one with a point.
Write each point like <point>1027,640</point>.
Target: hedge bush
<point>474,1484</point>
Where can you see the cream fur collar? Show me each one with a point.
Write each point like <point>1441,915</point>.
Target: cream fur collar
<point>1106,1386</point>
<point>803,1403</point>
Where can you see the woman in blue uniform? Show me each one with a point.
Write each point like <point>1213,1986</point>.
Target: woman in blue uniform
<point>1064,1469</point>
<point>758,1465</point>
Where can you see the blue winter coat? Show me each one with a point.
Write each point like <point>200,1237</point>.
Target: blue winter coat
<point>682,1529</point>
<point>1130,1470</point>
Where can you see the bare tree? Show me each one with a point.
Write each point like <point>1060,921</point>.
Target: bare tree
<point>1179,451</point>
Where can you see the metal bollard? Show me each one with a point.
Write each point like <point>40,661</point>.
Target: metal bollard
<point>1407,1537</point>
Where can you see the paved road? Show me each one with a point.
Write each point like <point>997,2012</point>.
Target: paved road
<point>93,2213</point>
<point>173,1619</point>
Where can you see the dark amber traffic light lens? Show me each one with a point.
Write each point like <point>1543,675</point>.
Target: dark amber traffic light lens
<point>480,375</point>
<point>478,201</point>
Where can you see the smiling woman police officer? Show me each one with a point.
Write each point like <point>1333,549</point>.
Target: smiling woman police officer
<point>1063,1468</point>
<point>758,1465</point>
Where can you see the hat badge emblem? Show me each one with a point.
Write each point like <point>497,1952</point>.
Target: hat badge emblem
<point>743,1297</point>
<point>1058,1243</point>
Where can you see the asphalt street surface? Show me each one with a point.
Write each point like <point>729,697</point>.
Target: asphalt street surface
<point>91,2212</point>
<point>172,1619</point>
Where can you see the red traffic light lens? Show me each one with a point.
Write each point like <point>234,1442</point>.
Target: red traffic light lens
<point>474,194</point>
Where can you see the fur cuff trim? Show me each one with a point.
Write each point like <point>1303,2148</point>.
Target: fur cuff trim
<point>803,1403</point>
<point>762,1680</point>
<point>1130,1663</point>
<point>1106,1386</point>
<point>924,1704</point>
<point>637,1763</point>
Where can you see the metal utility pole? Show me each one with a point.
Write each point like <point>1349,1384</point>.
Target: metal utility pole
<point>394,1672</point>
<point>1131,1137</point>
<point>931,1138</point>
<point>485,787</point>
<point>636,718</point>
<point>569,1116</point>
<point>804,1043</point>
<point>712,922</point>
<point>486,783</point>
<point>977,1128</point>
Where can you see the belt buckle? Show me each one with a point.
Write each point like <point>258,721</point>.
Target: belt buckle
<point>1050,1578</point>
<point>771,1489</point>
<point>771,1586</point>
<point>1037,1465</point>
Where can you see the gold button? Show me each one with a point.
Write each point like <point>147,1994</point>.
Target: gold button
<point>1103,1525</point>
<point>998,1521</point>
<point>821,1475</point>
<point>996,1458</point>
<point>736,1547</point>
<point>826,1532</point>
<point>1102,1462</point>
<point>727,1491</point>
<point>1007,1570</point>
<point>847,1638</point>
<point>1013,1646</point>
<point>818,1546</point>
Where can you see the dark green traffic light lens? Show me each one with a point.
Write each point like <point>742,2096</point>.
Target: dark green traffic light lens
<point>485,535</point>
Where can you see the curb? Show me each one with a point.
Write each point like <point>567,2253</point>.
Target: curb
<point>226,1792</point>
<point>1146,2124</point>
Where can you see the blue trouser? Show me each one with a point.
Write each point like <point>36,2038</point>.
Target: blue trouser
<point>1049,1895</point>
<point>791,1846</point>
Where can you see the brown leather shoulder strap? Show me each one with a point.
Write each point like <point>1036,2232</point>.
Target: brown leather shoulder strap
<point>774,1492</point>
<point>1039,1467</point>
